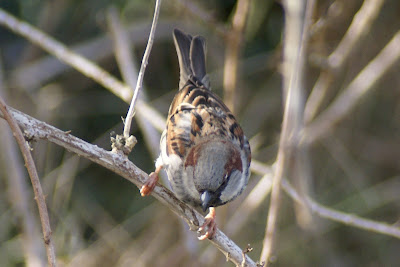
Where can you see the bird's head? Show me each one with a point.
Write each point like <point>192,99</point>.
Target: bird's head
<point>218,171</point>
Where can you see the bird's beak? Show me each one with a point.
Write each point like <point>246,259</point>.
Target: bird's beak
<point>205,199</point>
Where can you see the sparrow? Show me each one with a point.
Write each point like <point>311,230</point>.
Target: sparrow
<point>203,149</point>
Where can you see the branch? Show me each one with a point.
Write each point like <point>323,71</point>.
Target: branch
<point>139,84</point>
<point>120,165</point>
<point>37,188</point>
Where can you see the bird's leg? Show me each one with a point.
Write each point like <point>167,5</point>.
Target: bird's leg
<point>210,224</point>
<point>150,183</point>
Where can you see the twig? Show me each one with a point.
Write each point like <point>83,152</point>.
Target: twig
<point>294,46</point>
<point>123,54</point>
<point>37,188</point>
<point>139,84</point>
<point>361,84</point>
<point>120,165</point>
<point>233,50</point>
<point>244,252</point>
<point>358,28</point>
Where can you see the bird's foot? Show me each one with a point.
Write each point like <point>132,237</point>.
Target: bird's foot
<point>150,183</point>
<point>209,225</point>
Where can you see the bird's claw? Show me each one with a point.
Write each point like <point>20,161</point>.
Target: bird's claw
<point>149,185</point>
<point>210,226</point>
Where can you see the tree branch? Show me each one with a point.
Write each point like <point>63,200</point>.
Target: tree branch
<point>120,165</point>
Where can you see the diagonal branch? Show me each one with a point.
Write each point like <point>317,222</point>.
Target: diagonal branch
<point>120,165</point>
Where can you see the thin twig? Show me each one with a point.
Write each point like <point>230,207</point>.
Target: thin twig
<point>125,60</point>
<point>139,84</point>
<point>362,84</point>
<point>120,165</point>
<point>294,46</point>
<point>37,188</point>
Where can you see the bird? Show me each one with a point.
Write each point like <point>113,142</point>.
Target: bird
<point>203,148</point>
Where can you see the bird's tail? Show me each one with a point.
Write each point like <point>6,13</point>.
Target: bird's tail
<point>192,58</point>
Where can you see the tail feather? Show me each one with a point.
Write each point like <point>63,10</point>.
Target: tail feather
<point>191,56</point>
<point>198,57</point>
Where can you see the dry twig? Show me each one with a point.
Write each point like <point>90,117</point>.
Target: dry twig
<point>139,84</point>
<point>125,60</point>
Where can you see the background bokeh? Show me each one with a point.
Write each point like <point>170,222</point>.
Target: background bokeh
<point>99,219</point>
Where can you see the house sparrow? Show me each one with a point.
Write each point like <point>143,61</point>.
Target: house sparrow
<point>203,148</point>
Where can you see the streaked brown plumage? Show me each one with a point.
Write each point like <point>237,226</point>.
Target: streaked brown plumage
<point>203,148</point>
